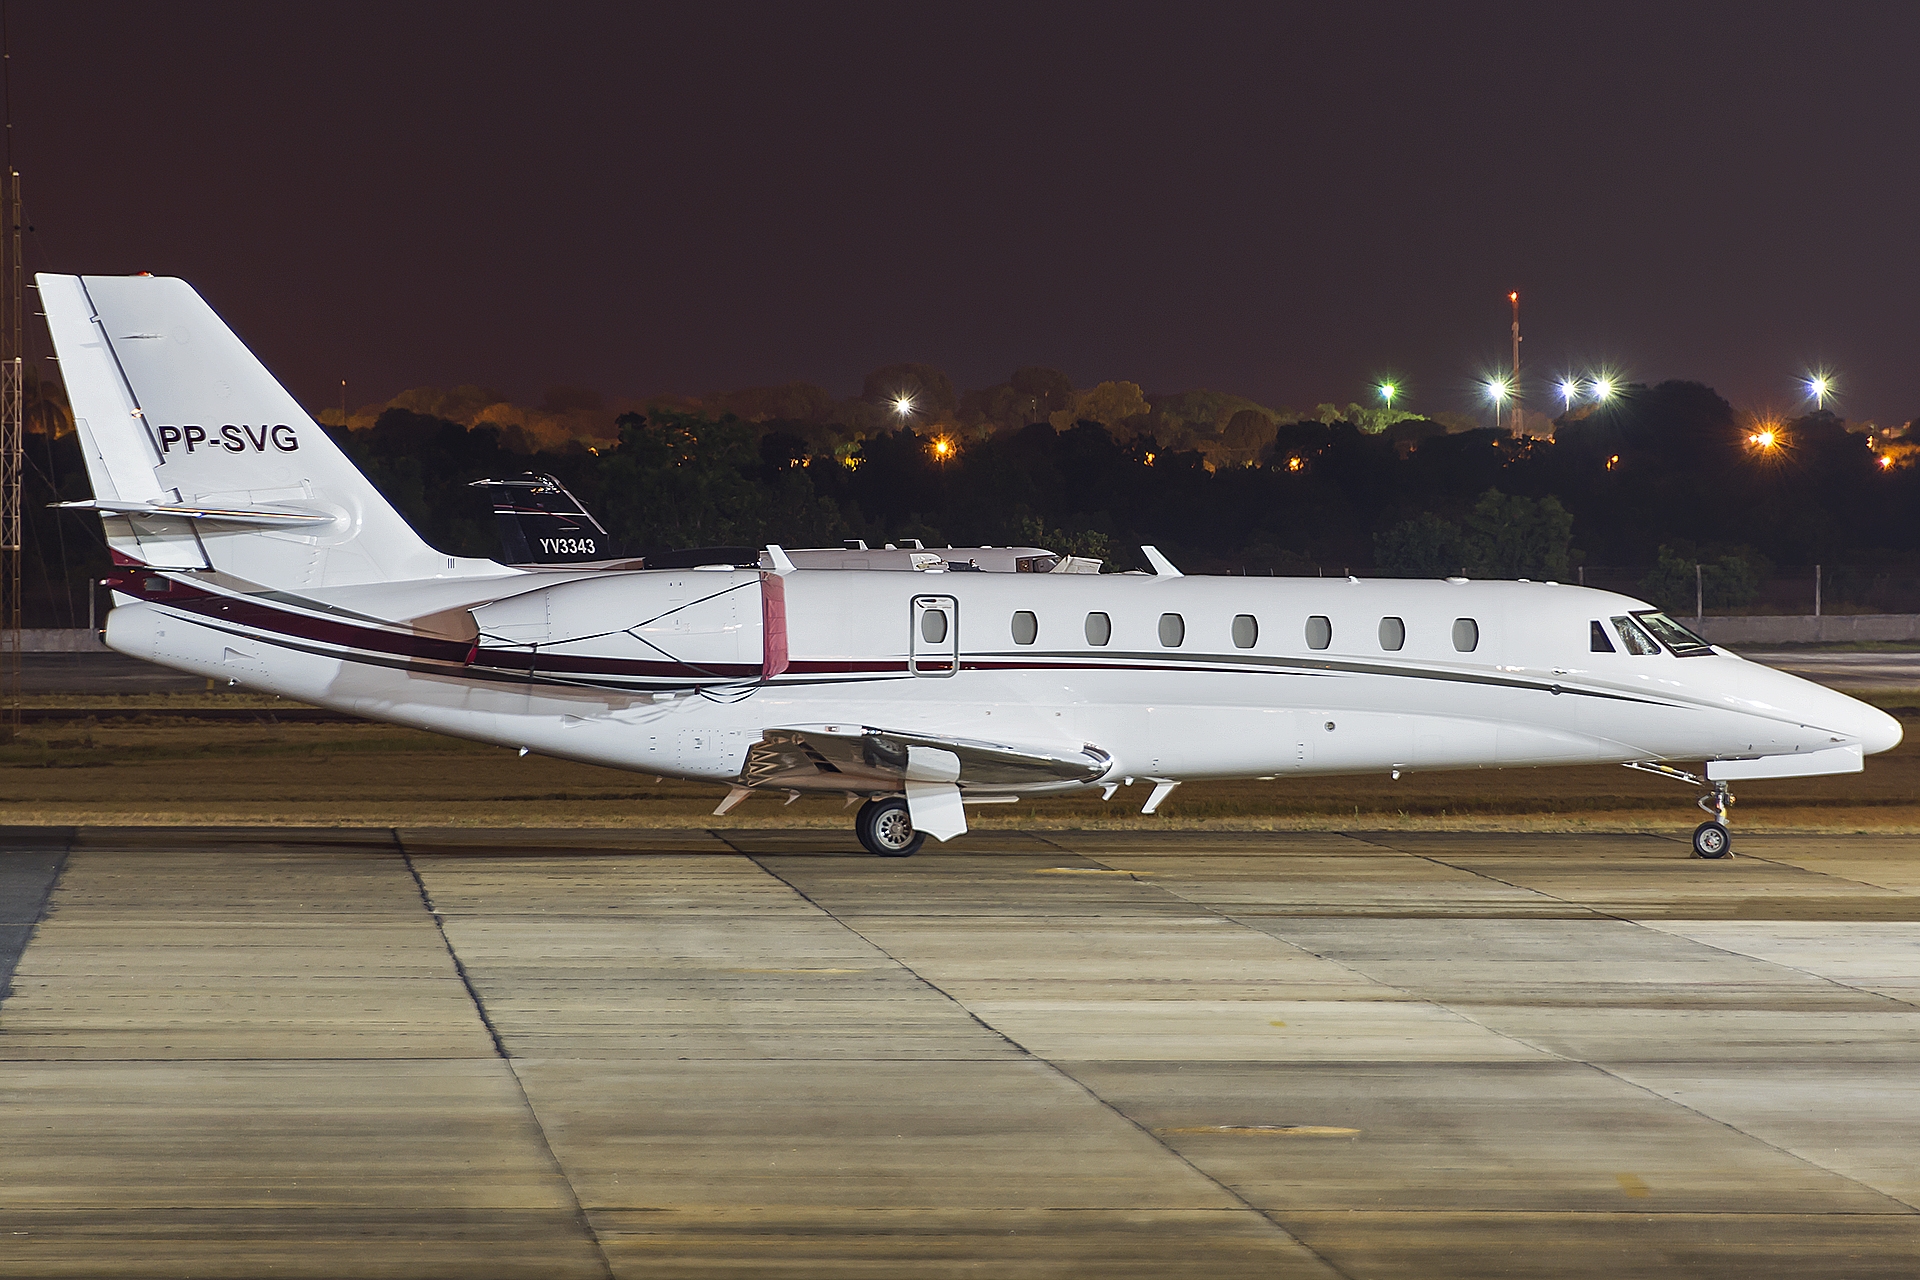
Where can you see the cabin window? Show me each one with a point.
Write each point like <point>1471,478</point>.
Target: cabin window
<point>1173,630</point>
<point>1393,633</point>
<point>1681,642</point>
<point>1099,628</point>
<point>1633,639</point>
<point>933,626</point>
<point>1319,632</point>
<point>1466,635</point>
<point>1246,631</point>
<point>1026,627</point>
<point>1600,642</point>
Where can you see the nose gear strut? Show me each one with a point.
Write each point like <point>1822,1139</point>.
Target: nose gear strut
<point>1711,838</point>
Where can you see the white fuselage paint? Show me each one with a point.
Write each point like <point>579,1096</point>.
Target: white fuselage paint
<point>1531,693</point>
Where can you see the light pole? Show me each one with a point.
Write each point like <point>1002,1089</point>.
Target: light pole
<point>1387,392</point>
<point>1820,386</point>
<point>903,408</point>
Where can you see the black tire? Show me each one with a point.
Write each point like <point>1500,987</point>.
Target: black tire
<point>860,827</point>
<point>1710,840</point>
<point>886,829</point>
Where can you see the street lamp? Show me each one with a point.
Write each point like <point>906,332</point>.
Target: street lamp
<point>903,406</point>
<point>1498,389</point>
<point>1569,392</point>
<point>1820,386</point>
<point>1603,389</point>
<point>1387,392</point>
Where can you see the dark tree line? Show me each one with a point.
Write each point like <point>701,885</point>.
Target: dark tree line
<point>1664,476</point>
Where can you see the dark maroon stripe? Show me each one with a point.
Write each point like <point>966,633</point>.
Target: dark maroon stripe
<point>262,617</point>
<point>246,611</point>
<point>578,664</point>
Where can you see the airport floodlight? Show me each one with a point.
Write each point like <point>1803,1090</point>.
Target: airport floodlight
<point>1819,387</point>
<point>1498,389</point>
<point>1387,392</point>
<point>1569,391</point>
<point>1603,389</point>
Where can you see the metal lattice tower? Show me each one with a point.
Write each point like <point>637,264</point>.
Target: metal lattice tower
<point>1518,425</point>
<point>13,395</point>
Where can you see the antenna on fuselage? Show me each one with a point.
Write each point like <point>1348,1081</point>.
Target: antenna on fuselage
<point>1162,567</point>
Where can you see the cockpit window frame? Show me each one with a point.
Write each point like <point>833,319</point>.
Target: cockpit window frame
<point>1693,646</point>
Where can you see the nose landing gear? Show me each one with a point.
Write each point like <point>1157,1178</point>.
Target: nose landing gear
<point>1711,838</point>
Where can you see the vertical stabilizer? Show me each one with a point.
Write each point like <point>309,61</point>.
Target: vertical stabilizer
<point>174,412</point>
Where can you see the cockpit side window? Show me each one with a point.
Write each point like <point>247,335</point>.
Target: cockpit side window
<point>1677,638</point>
<point>1633,639</point>
<point>1600,643</point>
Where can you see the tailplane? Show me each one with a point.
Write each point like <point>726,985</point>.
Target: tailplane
<point>200,459</point>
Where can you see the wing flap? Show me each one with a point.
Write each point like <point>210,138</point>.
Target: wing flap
<point>825,757</point>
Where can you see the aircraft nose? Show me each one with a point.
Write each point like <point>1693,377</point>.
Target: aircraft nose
<point>1871,727</point>
<point>1878,731</point>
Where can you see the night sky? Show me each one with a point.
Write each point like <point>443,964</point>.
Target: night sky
<point>1281,201</point>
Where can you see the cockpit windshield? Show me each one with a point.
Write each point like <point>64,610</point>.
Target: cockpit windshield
<point>1633,639</point>
<point>1677,638</point>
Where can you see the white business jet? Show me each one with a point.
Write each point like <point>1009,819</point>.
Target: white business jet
<point>250,550</point>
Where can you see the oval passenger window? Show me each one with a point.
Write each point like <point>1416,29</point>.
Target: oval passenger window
<point>933,626</point>
<point>1099,628</point>
<point>1393,633</point>
<point>1319,632</point>
<point>1466,635</point>
<point>1173,630</point>
<point>1246,631</point>
<point>1025,627</point>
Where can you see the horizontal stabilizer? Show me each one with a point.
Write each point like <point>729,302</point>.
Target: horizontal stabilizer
<point>226,515</point>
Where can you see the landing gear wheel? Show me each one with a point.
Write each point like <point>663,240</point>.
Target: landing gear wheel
<point>1710,840</point>
<point>886,828</point>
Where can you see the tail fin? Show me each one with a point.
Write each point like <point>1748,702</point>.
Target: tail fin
<point>541,522</point>
<point>201,460</point>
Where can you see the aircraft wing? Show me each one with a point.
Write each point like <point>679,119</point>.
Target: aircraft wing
<point>823,758</point>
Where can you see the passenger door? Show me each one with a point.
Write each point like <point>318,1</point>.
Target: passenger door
<point>933,644</point>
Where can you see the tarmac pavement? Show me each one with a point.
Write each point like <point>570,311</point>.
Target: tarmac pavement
<point>1134,1053</point>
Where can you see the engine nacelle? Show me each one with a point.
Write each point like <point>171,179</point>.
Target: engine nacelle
<point>694,626</point>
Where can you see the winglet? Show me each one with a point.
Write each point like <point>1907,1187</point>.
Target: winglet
<point>782,562</point>
<point>1162,567</point>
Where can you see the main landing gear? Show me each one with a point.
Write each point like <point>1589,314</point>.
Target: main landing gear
<point>886,828</point>
<point>1711,838</point>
